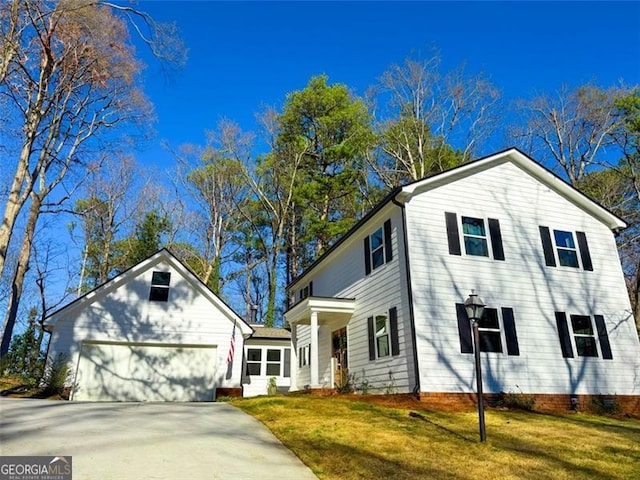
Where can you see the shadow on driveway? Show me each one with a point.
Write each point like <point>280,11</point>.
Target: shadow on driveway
<point>157,441</point>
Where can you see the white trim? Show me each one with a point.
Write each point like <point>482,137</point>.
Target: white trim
<point>163,255</point>
<point>301,312</point>
<point>528,165</point>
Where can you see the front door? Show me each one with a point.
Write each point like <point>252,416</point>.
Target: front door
<point>339,352</point>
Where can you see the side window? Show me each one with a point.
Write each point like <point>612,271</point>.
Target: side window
<point>384,339</point>
<point>382,336</point>
<point>304,356</point>
<point>254,361</point>
<point>377,248</point>
<point>306,291</point>
<point>565,248</point>
<point>160,287</point>
<point>481,237</point>
<point>583,334</point>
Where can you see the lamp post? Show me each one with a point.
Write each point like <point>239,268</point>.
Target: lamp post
<point>475,307</point>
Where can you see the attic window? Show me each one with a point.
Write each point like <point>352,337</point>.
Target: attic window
<point>160,287</point>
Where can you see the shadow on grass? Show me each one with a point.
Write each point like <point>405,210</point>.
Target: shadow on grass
<point>352,462</point>
<point>29,391</point>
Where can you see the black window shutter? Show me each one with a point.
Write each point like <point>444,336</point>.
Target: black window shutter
<point>367,256</point>
<point>510,331</point>
<point>453,236</point>
<point>388,251</point>
<point>464,329</point>
<point>287,363</point>
<point>372,339</point>
<point>300,353</point>
<point>605,346</point>
<point>393,326</point>
<point>584,251</point>
<point>563,334</point>
<point>496,239</point>
<point>311,289</point>
<point>547,246</point>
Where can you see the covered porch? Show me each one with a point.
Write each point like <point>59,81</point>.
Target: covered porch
<point>326,317</point>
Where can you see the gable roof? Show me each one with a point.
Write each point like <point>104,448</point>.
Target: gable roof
<point>134,271</point>
<point>400,195</point>
<point>530,166</point>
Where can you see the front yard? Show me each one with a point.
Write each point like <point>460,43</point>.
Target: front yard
<point>351,438</point>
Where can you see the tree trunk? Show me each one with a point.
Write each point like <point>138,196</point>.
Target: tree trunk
<point>272,275</point>
<point>19,274</point>
<point>635,293</point>
<point>15,202</point>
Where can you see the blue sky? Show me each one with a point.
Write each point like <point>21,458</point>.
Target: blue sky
<point>243,55</point>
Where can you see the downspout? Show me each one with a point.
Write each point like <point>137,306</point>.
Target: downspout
<point>416,389</point>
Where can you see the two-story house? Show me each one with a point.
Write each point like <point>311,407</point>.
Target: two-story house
<point>383,306</point>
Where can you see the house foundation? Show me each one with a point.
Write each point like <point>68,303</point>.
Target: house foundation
<point>540,402</point>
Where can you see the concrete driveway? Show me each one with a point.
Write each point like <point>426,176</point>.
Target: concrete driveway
<point>121,441</point>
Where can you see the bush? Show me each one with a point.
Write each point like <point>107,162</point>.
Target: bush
<point>604,405</point>
<point>517,401</point>
<point>55,376</point>
<point>25,360</point>
<point>272,387</point>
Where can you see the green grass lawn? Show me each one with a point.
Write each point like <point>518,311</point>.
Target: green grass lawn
<point>346,438</point>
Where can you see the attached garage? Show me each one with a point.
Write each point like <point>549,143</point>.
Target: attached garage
<point>138,372</point>
<point>154,333</point>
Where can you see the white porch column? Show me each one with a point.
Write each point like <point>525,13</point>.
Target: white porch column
<point>294,358</point>
<point>314,349</point>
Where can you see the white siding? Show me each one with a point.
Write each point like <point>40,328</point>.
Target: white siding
<point>523,282</point>
<point>253,385</point>
<point>125,315</point>
<point>342,275</point>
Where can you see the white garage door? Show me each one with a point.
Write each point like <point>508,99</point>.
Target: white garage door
<point>145,372</point>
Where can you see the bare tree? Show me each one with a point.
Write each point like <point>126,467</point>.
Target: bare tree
<point>270,216</point>
<point>68,77</point>
<point>215,182</point>
<point>115,197</point>
<point>573,129</point>
<point>429,121</point>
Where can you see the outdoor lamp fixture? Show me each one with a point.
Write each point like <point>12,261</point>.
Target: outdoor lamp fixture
<point>475,307</point>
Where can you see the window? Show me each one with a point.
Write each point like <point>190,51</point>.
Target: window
<point>304,356</point>
<point>304,292</point>
<point>254,361</point>
<point>160,286</point>
<point>476,233</point>
<point>489,330</point>
<point>384,339</point>
<point>569,249</point>
<point>475,236</point>
<point>273,363</point>
<point>567,252</point>
<point>382,336</point>
<point>583,336</point>
<point>497,327</point>
<point>377,248</point>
